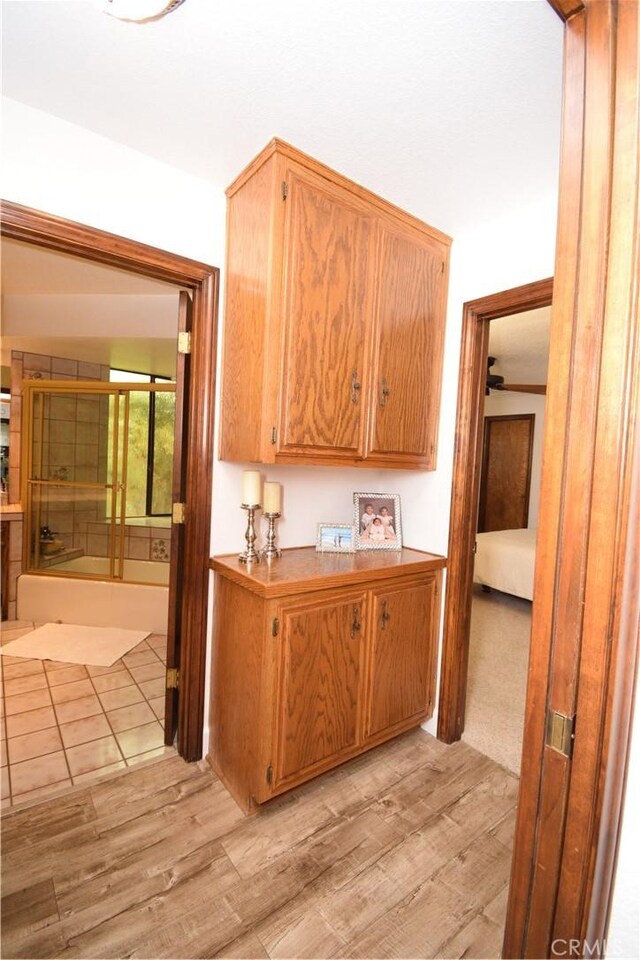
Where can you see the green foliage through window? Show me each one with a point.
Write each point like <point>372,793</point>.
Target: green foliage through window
<point>149,446</point>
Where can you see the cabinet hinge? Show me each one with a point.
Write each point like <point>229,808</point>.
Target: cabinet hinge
<point>269,774</point>
<point>275,627</point>
<point>284,189</point>
<point>177,513</point>
<point>475,547</point>
<point>184,342</point>
<point>274,434</point>
<point>560,732</point>
<point>173,676</point>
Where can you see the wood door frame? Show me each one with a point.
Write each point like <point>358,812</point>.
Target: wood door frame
<point>65,236</point>
<point>486,421</point>
<point>467,466</point>
<point>586,612</point>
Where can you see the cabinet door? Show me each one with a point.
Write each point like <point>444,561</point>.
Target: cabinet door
<point>326,311</point>
<point>402,657</point>
<point>319,703</point>
<point>405,395</point>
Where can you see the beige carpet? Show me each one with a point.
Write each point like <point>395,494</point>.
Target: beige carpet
<point>69,643</point>
<point>497,680</point>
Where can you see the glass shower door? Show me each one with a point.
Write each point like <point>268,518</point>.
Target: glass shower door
<point>75,471</point>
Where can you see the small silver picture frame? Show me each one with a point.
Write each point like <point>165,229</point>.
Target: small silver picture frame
<point>377,521</point>
<point>335,538</point>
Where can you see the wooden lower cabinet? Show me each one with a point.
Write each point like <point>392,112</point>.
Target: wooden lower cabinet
<point>402,665</point>
<point>317,658</point>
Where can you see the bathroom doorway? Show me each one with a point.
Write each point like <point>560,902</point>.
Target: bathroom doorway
<point>187,543</point>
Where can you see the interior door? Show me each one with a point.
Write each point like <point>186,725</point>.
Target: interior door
<point>405,399</point>
<point>183,369</point>
<point>505,482</point>
<point>320,684</point>
<point>326,293</point>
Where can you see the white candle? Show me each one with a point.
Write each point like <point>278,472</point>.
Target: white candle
<point>251,488</point>
<point>272,497</point>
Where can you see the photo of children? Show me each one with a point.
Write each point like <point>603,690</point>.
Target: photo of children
<point>377,518</point>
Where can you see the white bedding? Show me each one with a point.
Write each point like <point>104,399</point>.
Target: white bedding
<point>505,560</point>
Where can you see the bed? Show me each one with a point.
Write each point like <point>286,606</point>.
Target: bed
<point>505,560</point>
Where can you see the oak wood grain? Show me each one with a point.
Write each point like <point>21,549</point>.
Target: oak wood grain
<point>505,483</point>
<point>320,682</point>
<point>247,315</point>
<point>327,289</point>
<point>408,351</point>
<point>293,669</point>
<point>402,665</point>
<point>276,145</point>
<point>318,268</point>
<point>563,891</point>
<point>304,568</point>
<point>239,630</point>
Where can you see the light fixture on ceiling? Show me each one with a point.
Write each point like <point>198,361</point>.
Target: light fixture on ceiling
<point>137,11</point>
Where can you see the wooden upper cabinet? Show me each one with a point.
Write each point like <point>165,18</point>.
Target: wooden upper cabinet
<point>408,348</point>
<point>328,246</point>
<point>334,318</point>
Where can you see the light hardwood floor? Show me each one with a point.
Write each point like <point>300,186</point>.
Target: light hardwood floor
<point>404,852</point>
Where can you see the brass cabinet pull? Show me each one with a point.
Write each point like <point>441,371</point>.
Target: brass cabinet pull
<point>384,616</point>
<point>356,386</point>
<point>355,623</point>
<point>384,392</point>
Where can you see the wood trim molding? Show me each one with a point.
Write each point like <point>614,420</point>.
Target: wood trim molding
<point>584,641</point>
<point>65,236</point>
<point>567,8</point>
<point>465,491</point>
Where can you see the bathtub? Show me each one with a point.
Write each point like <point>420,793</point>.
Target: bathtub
<point>135,571</point>
<point>43,598</point>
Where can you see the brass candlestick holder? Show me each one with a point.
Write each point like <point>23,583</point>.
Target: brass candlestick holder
<point>250,555</point>
<point>271,552</point>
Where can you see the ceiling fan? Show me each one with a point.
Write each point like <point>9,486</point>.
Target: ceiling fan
<point>496,382</point>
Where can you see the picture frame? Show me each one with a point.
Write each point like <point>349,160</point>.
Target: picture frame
<point>336,538</point>
<point>383,531</point>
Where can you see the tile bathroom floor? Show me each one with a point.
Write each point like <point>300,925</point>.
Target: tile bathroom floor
<point>64,724</point>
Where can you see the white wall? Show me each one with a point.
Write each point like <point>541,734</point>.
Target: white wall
<point>509,404</point>
<point>623,938</point>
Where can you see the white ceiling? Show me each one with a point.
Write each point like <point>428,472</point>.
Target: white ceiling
<point>520,345</point>
<point>64,306</point>
<point>27,269</point>
<point>443,106</point>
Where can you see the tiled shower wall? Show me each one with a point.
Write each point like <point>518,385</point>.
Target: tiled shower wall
<point>73,427</point>
<point>74,431</point>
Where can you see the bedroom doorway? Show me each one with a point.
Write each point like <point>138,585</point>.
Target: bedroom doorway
<point>478,376</point>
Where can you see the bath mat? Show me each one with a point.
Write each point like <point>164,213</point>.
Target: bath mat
<point>69,643</point>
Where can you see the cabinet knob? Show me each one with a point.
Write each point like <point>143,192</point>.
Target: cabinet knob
<point>356,386</point>
<point>384,616</point>
<point>384,392</point>
<point>355,623</point>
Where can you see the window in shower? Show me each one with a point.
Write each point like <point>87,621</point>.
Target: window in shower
<point>84,444</point>
<point>151,430</point>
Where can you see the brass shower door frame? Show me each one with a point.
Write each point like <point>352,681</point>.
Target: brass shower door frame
<point>121,392</point>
